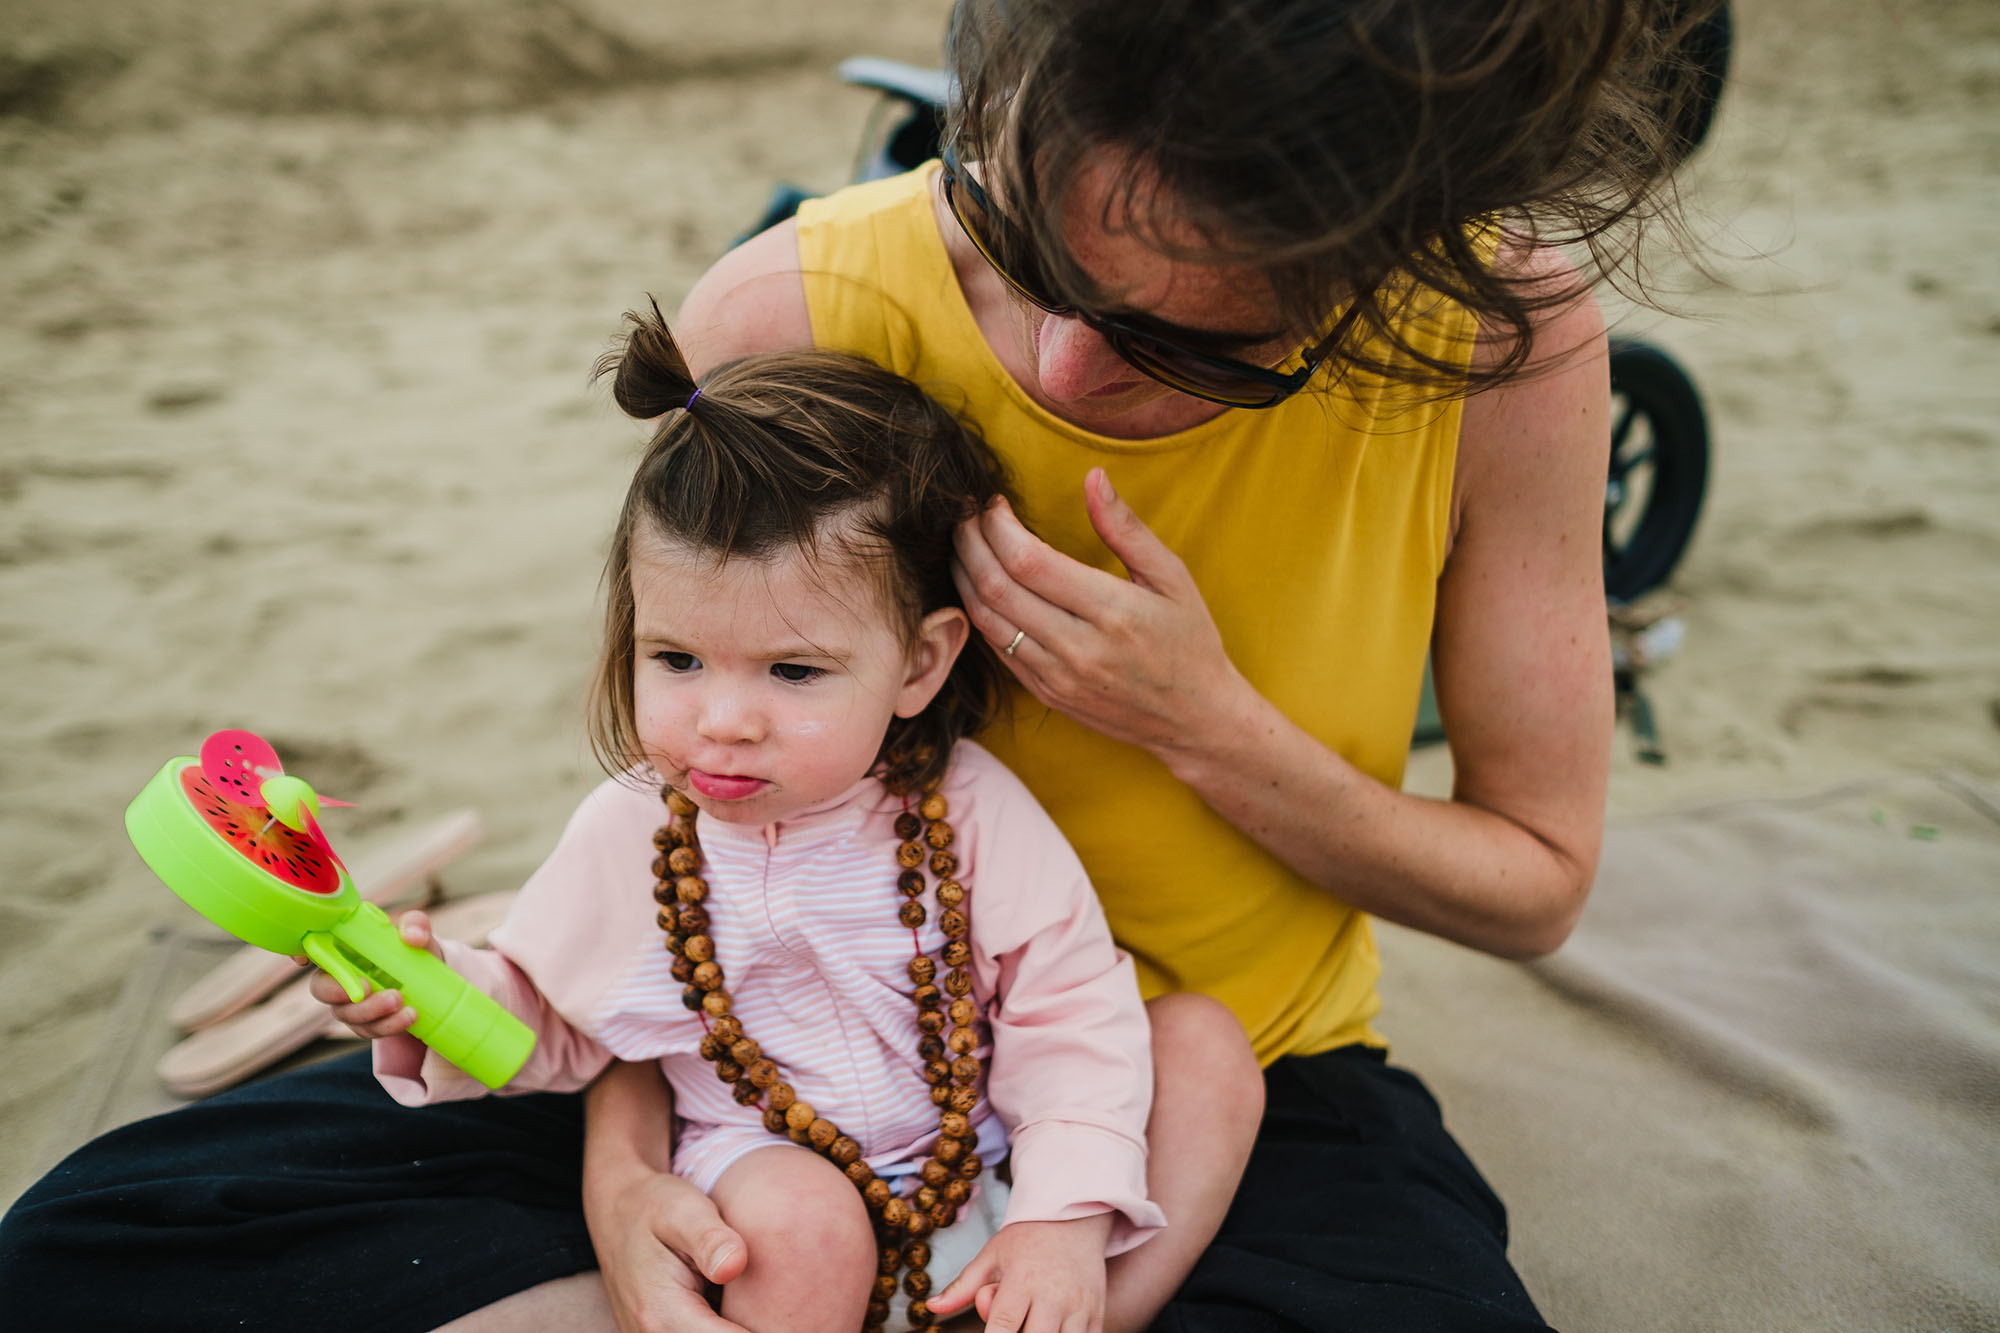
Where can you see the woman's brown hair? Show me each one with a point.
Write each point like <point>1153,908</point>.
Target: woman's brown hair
<point>773,451</point>
<point>1366,155</point>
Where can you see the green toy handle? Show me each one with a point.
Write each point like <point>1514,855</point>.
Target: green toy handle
<point>454,1018</point>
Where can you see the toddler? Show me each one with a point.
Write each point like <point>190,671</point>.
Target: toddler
<point>851,939</point>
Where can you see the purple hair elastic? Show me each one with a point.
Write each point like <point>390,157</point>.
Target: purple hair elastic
<point>688,406</point>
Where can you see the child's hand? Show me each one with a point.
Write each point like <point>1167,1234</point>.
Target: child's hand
<point>382,1014</point>
<point>1036,1277</point>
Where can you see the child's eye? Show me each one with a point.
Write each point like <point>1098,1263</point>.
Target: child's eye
<point>677,661</point>
<point>796,673</point>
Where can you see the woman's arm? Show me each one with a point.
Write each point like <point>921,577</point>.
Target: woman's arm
<point>1521,660</point>
<point>659,1240</point>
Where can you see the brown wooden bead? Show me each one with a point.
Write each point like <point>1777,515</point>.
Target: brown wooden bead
<point>941,1092</point>
<point>931,1022</point>
<point>744,1051</point>
<point>691,919</point>
<point>965,1069</point>
<point>716,1003</point>
<point>690,888</point>
<point>762,1073</point>
<point>728,1070</point>
<point>729,1028</point>
<point>961,1098</point>
<point>889,1258</point>
<point>918,1226</point>
<point>683,970</point>
<point>970,1165</point>
<point>711,1046</point>
<point>706,975</point>
<point>957,953</point>
<point>860,1173</point>
<point>911,914</point>
<point>895,1213</point>
<point>663,894</point>
<point>667,919</point>
<point>800,1137</point>
<point>874,1314</point>
<point>782,1095</point>
<point>917,1254</point>
<point>745,1092</point>
<point>955,1125</point>
<point>958,981</point>
<point>939,835</point>
<point>698,948</point>
<point>925,1198</point>
<point>917,1283</point>
<point>922,971</point>
<point>683,861</point>
<point>934,1173</point>
<point>692,997</point>
<point>679,803</point>
<point>910,855</point>
<point>910,883</point>
<point>885,1286</point>
<point>936,1072</point>
<point>919,1314</point>
<point>963,1012</point>
<point>962,1041</point>
<point>949,1150</point>
<point>822,1133</point>
<point>951,893</point>
<point>676,944</point>
<point>774,1120</point>
<point>844,1151</point>
<point>929,1046</point>
<point>660,867</point>
<point>944,864</point>
<point>943,1215</point>
<point>954,924</point>
<point>663,841</point>
<point>928,997</point>
<point>956,1192</point>
<point>800,1115</point>
<point>908,826</point>
<point>935,806</point>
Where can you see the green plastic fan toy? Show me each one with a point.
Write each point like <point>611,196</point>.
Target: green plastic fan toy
<point>238,839</point>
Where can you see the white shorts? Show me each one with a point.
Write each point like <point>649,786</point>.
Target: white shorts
<point>957,1245</point>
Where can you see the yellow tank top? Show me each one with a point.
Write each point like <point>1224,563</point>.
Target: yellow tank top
<point>1316,531</point>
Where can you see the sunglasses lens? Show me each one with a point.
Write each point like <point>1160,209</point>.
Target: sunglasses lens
<point>1192,373</point>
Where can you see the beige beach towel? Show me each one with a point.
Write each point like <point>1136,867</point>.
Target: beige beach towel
<point>1760,1087</point>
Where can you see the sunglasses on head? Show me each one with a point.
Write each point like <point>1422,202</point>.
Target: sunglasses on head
<point>1218,379</point>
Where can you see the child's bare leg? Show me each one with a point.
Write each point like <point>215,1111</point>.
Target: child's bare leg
<point>812,1249</point>
<point>1208,1099</point>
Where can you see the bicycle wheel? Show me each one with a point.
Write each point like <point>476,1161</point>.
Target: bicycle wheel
<point>1659,468</point>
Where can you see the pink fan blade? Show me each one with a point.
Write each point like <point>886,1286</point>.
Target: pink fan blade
<point>318,835</point>
<point>328,800</point>
<point>236,764</point>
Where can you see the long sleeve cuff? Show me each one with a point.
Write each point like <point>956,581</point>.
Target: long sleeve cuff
<point>1066,1169</point>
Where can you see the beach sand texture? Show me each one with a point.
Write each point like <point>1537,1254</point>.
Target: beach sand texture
<point>296,432</point>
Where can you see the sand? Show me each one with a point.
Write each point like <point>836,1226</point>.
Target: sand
<point>296,431</point>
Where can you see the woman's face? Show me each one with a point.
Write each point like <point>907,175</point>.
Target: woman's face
<point>761,687</point>
<point>1075,371</point>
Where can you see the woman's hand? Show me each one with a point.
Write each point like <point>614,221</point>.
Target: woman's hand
<point>1138,659</point>
<point>659,1242</point>
<point>381,1013</point>
<point>1035,1277</point>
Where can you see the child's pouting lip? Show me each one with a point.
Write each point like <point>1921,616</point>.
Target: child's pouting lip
<point>725,786</point>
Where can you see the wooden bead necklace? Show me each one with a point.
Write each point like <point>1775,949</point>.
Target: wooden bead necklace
<point>947,1028</point>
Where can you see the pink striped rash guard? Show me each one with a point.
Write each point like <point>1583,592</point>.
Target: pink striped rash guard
<point>804,922</point>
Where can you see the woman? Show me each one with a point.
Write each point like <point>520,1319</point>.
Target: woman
<point>1281,281</point>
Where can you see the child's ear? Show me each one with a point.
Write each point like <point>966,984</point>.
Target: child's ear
<point>940,638</point>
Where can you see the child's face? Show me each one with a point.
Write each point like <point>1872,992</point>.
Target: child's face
<point>761,687</point>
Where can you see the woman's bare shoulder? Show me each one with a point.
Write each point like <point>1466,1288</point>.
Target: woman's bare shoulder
<point>751,300</point>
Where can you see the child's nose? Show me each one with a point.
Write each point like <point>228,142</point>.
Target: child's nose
<point>730,717</point>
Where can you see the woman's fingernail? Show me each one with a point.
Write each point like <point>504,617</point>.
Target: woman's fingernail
<point>1104,480</point>
<point>406,1015</point>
